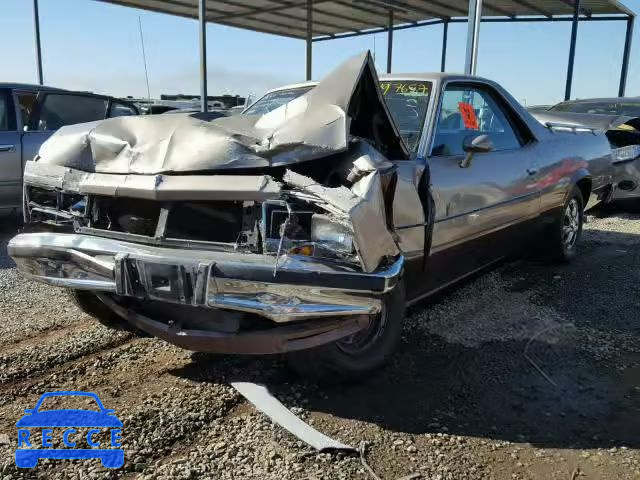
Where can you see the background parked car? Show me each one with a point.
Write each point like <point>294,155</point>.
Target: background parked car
<point>626,170</point>
<point>629,107</point>
<point>538,108</point>
<point>29,114</point>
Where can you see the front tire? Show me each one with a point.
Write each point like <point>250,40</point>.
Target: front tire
<point>89,303</point>
<point>567,228</point>
<point>352,357</point>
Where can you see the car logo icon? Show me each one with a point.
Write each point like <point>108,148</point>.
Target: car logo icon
<point>70,419</point>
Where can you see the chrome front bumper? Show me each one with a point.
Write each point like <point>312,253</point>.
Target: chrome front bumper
<point>300,288</point>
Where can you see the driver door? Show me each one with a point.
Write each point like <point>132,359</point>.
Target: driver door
<point>493,191</point>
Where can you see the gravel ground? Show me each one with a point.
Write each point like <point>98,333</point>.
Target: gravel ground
<point>530,371</point>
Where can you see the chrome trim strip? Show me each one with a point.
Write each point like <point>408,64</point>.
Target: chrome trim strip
<point>290,309</point>
<point>75,283</point>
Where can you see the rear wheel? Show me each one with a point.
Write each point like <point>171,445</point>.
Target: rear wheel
<point>567,229</point>
<point>352,357</point>
<point>90,304</point>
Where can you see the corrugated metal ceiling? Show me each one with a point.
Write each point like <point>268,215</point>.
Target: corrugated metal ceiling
<point>331,17</point>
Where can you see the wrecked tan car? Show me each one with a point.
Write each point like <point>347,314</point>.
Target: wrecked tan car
<point>307,229</point>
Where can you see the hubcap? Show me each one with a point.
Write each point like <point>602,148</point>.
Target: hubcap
<point>571,224</point>
<point>354,344</point>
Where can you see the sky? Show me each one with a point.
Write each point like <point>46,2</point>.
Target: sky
<point>94,46</point>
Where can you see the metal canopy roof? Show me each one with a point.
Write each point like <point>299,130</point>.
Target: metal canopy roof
<point>331,18</point>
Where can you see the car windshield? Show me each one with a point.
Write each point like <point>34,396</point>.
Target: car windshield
<point>630,109</point>
<point>407,102</point>
<point>273,100</point>
<point>75,402</point>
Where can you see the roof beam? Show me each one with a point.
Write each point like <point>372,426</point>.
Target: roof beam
<point>380,13</point>
<point>337,36</point>
<point>270,9</point>
<point>501,11</point>
<point>583,10</point>
<point>175,3</point>
<point>530,5</point>
<point>348,18</point>
<point>286,15</point>
<point>569,3</point>
<point>396,5</point>
<point>446,6</point>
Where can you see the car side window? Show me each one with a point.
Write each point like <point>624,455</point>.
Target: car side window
<point>470,111</point>
<point>26,102</point>
<point>121,110</point>
<point>58,110</point>
<point>4,112</point>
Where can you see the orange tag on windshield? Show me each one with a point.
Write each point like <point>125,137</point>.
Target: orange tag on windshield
<point>468,116</point>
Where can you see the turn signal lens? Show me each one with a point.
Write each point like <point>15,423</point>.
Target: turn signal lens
<point>306,250</point>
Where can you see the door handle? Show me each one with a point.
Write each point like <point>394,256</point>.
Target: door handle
<point>7,148</point>
<point>532,171</point>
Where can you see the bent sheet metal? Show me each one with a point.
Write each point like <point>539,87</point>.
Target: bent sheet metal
<point>188,158</point>
<point>317,124</point>
<point>262,399</point>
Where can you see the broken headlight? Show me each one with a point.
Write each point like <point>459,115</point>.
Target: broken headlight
<point>331,235</point>
<point>300,230</point>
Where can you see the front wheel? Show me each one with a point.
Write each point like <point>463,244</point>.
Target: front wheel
<point>352,357</point>
<point>567,229</point>
<point>90,304</point>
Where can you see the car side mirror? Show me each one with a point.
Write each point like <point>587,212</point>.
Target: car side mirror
<point>28,410</point>
<point>475,144</point>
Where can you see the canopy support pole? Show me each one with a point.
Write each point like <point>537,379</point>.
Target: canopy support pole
<point>473,35</point>
<point>309,39</point>
<point>625,57</point>
<point>572,48</point>
<point>390,41</point>
<point>445,35</point>
<point>36,26</point>
<point>202,20</point>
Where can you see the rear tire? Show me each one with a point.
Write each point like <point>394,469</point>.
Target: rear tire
<point>353,357</point>
<point>90,304</point>
<point>566,230</point>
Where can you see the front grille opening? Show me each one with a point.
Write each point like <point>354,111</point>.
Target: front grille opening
<point>43,198</point>
<point>126,215</point>
<point>205,221</point>
<point>53,206</point>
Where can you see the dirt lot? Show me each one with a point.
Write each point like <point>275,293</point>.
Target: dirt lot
<point>528,371</point>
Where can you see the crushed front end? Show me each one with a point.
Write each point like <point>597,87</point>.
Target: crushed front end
<point>235,266</point>
<point>237,235</point>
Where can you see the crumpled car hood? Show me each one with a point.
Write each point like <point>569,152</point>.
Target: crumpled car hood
<point>346,104</point>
